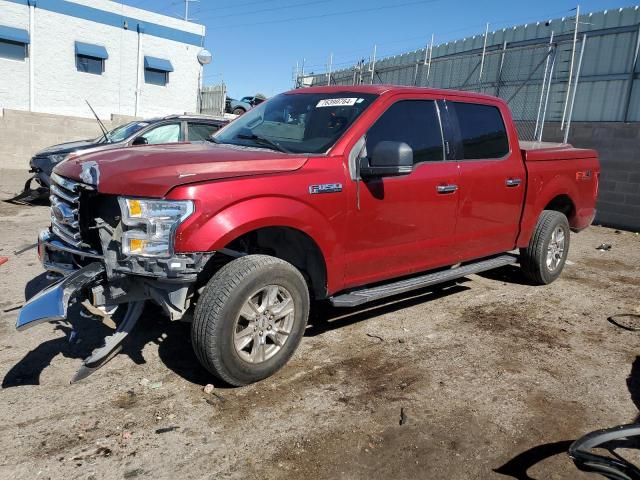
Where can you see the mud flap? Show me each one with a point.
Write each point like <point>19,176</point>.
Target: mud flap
<point>112,344</point>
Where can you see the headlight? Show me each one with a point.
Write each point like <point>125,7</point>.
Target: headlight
<point>58,158</point>
<point>152,225</point>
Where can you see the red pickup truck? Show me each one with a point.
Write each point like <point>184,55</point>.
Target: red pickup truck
<point>346,194</point>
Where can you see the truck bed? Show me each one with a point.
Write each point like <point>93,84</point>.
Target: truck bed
<point>558,170</point>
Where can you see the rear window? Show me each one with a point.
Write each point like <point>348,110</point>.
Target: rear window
<point>482,129</point>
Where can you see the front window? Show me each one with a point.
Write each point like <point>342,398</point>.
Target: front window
<point>123,132</point>
<point>297,122</point>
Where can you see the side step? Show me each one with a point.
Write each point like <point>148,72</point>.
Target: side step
<point>358,297</point>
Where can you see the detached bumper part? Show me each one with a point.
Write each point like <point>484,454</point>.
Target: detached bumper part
<point>51,304</point>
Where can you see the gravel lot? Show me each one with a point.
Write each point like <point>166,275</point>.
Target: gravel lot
<point>494,377</point>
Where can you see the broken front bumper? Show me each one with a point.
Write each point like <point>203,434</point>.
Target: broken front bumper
<point>52,303</point>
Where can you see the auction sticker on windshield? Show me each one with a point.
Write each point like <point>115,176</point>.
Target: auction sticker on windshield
<point>337,102</point>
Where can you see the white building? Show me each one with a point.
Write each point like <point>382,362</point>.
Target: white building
<point>54,54</point>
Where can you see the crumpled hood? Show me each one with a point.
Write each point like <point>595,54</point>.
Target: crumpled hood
<point>153,170</point>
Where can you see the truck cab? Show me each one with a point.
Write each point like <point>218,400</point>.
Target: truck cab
<point>339,194</point>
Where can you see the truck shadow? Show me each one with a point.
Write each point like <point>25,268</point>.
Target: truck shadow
<point>519,465</point>
<point>324,317</point>
<point>174,338</point>
<point>508,273</point>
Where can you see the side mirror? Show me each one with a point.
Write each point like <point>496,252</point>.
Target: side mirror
<point>140,141</point>
<point>388,159</point>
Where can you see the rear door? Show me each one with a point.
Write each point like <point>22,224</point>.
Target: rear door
<point>404,224</point>
<point>492,178</point>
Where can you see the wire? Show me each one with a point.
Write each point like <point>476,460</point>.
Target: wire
<point>332,14</point>
<point>296,5</point>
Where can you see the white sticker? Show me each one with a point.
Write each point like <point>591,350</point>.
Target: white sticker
<point>337,102</point>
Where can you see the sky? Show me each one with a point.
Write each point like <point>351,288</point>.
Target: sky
<point>256,43</point>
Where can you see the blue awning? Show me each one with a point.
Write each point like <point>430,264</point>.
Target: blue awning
<point>14,34</point>
<point>89,50</point>
<point>158,64</point>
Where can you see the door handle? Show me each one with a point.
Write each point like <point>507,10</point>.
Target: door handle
<point>513,182</point>
<point>450,188</point>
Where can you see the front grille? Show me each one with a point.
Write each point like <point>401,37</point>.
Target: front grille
<point>65,210</point>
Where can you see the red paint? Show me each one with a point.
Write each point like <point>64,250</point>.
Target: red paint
<point>3,260</point>
<point>402,226</point>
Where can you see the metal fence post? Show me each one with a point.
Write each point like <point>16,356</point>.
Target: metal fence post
<point>573,54</point>
<point>484,50</point>
<point>429,61</point>
<point>373,62</point>
<point>499,78</point>
<point>546,100</point>
<point>542,87</point>
<point>632,74</point>
<point>330,67</point>
<point>575,89</point>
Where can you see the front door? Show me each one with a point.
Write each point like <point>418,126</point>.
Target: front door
<point>404,224</point>
<point>492,179</point>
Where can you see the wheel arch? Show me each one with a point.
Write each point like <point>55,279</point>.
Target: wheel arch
<point>562,203</point>
<point>291,245</point>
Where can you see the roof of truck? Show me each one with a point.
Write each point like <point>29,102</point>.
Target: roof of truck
<point>386,89</point>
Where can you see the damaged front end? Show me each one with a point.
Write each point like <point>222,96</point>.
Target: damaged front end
<point>113,254</point>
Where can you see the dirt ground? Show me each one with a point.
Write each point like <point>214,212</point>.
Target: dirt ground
<point>495,379</point>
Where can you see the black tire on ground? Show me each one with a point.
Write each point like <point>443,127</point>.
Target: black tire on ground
<point>218,309</point>
<point>239,111</point>
<point>533,259</point>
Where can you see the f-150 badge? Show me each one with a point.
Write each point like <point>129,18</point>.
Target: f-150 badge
<point>325,188</point>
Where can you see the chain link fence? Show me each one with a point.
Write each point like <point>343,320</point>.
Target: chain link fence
<point>542,79</point>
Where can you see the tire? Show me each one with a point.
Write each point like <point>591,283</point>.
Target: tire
<point>543,259</point>
<point>222,318</point>
<point>239,111</point>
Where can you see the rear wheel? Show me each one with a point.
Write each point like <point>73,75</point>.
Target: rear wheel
<point>545,256</point>
<point>238,111</point>
<point>250,318</point>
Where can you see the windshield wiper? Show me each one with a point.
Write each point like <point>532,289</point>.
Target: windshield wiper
<point>264,141</point>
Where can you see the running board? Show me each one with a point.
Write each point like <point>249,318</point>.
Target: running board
<point>358,297</point>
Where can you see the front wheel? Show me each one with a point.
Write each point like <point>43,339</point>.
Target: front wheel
<point>250,318</point>
<point>544,258</point>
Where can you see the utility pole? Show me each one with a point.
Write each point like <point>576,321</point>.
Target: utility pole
<point>186,9</point>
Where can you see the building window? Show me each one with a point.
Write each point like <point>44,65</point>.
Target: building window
<point>13,43</point>
<point>89,64</point>
<point>156,77</point>
<point>90,58</point>
<point>156,71</point>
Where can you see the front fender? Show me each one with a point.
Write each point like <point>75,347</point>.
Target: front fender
<point>209,232</point>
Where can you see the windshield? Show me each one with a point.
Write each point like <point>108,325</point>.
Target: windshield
<point>123,132</point>
<point>298,122</point>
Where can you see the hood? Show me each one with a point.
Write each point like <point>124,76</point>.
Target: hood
<point>67,147</point>
<point>153,170</point>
